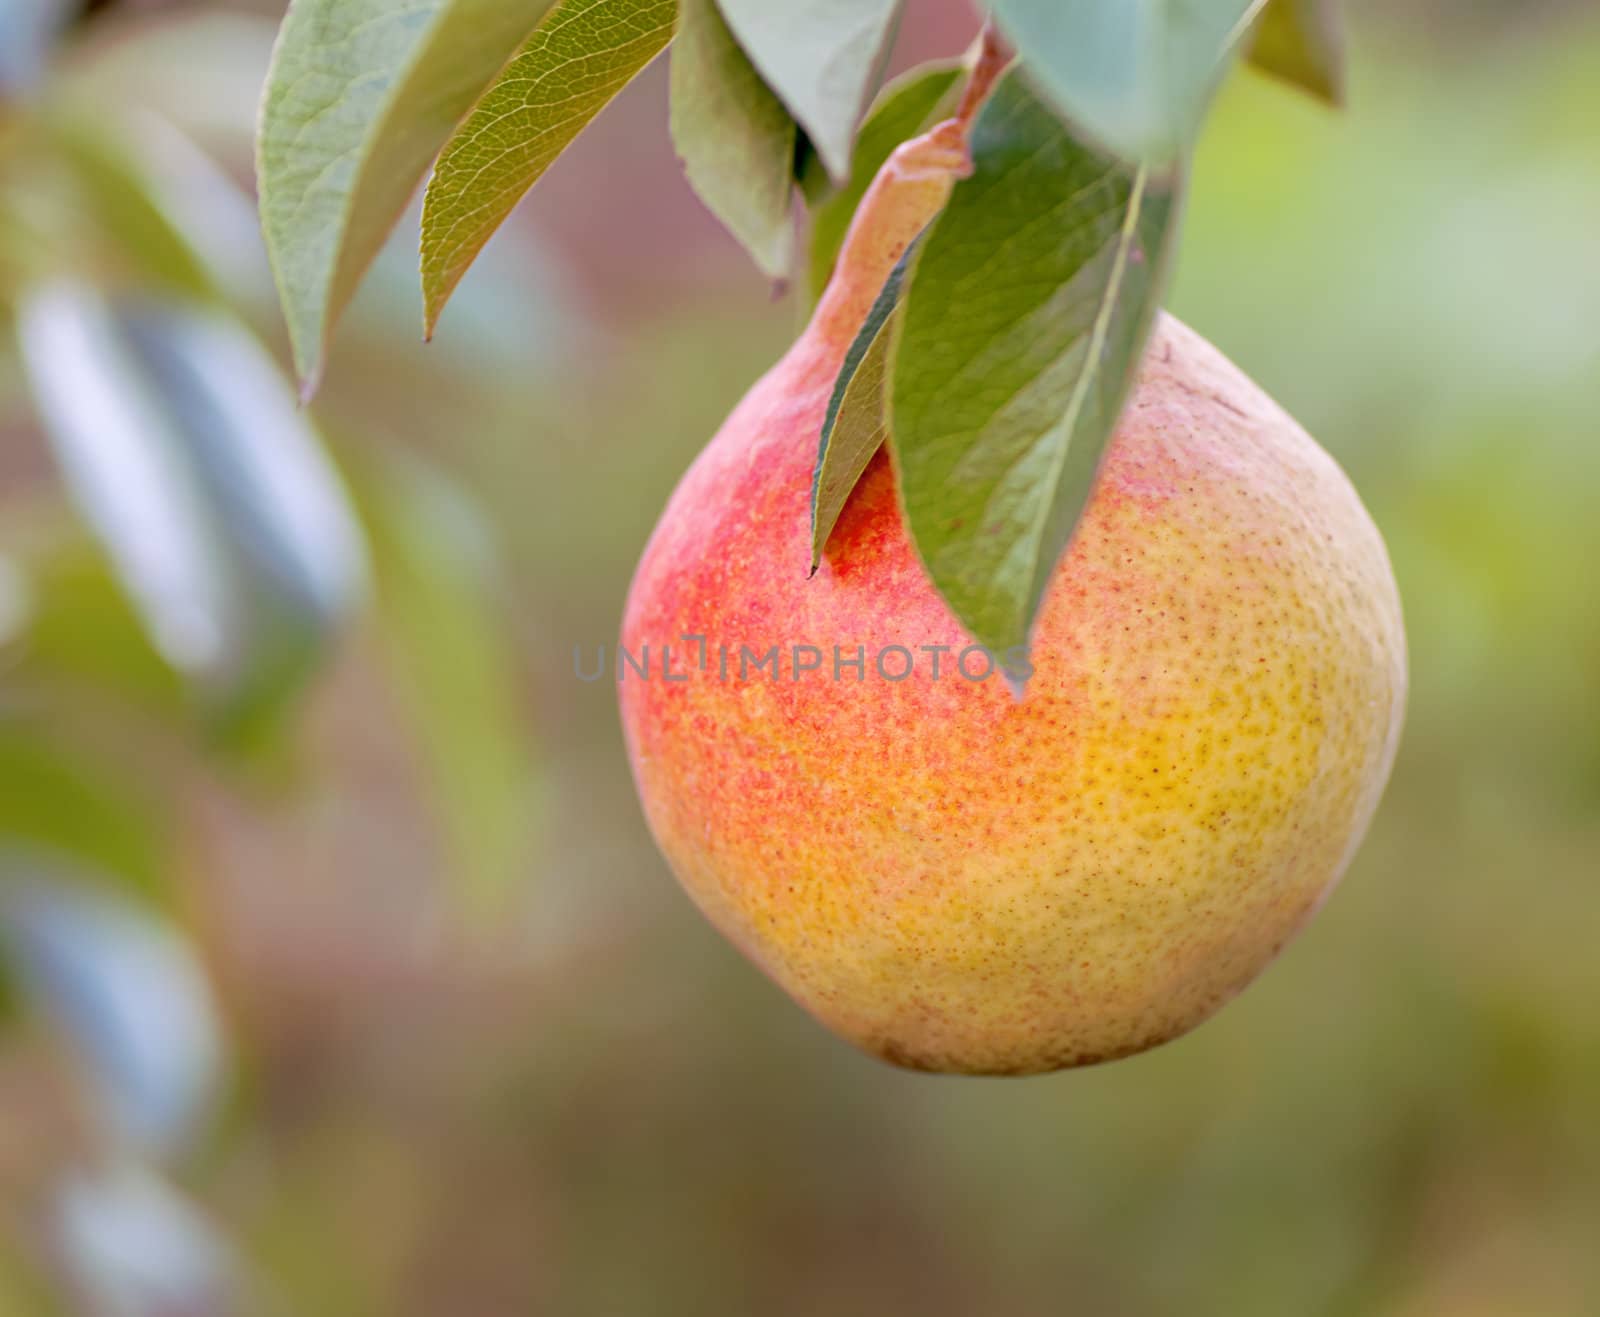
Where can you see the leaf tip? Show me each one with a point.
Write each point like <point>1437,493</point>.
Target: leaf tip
<point>310,382</point>
<point>437,289</point>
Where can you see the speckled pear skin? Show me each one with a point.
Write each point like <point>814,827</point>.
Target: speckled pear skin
<point>958,880</point>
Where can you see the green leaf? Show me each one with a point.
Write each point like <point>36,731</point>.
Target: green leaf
<point>55,799</point>
<point>1016,347</point>
<point>1135,75</point>
<point>736,139</point>
<point>822,57</point>
<point>120,197</point>
<point>360,97</point>
<point>201,204</point>
<point>71,626</point>
<point>186,453</point>
<point>1302,42</point>
<point>907,106</point>
<point>440,619</point>
<point>855,427</point>
<point>581,56</point>
<point>123,200</point>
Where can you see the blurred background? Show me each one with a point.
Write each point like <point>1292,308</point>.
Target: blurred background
<point>338,973</point>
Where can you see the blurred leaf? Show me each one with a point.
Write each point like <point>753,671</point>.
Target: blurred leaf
<point>76,623</point>
<point>1015,348</point>
<point>69,804</point>
<point>434,580</point>
<point>907,106</point>
<point>581,56</point>
<point>187,454</point>
<point>134,1247</point>
<point>202,206</point>
<point>28,30</point>
<point>855,425</point>
<point>197,68</point>
<point>118,197</point>
<point>31,214</point>
<point>735,138</point>
<point>360,97</point>
<point>1135,76</point>
<point>1302,42</point>
<point>123,987</point>
<point>822,58</point>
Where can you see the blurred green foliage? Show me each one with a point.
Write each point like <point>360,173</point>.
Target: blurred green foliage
<point>588,1104</point>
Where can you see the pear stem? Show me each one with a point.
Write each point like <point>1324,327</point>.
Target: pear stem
<point>988,58</point>
<point>909,191</point>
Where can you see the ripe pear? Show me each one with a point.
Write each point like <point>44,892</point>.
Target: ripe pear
<point>959,879</point>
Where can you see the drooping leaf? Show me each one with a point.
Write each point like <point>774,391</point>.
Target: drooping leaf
<point>123,986</point>
<point>822,57</point>
<point>1302,42</point>
<point>360,97</point>
<point>896,209</point>
<point>1135,75</point>
<point>519,314</point>
<point>903,109</point>
<point>1015,348</point>
<point>855,425</point>
<point>579,58</point>
<point>736,139</point>
<point>434,583</point>
<point>186,453</point>
<point>110,433</point>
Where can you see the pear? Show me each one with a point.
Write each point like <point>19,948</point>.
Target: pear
<point>956,878</point>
